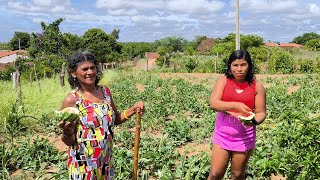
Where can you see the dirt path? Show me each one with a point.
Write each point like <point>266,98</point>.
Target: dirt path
<point>145,65</point>
<point>215,75</point>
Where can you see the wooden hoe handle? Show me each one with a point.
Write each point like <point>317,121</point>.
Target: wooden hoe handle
<point>136,147</point>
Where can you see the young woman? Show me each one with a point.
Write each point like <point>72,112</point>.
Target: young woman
<point>90,138</point>
<point>235,94</point>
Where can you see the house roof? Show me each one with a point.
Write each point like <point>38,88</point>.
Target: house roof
<point>283,45</point>
<point>8,53</point>
<point>152,55</point>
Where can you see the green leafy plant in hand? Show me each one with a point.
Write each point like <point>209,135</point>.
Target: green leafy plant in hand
<point>67,114</point>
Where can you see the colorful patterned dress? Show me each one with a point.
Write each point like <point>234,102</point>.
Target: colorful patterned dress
<point>91,156</point>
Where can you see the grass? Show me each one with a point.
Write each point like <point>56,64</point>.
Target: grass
<point>44,100</point>
<point>305,54</point>
<point>36,101</point>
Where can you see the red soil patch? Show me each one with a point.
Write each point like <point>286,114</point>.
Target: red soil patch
<point>140,87</point>
<point>192,149</point>
<point>292,89</point>
<point>277,177</point>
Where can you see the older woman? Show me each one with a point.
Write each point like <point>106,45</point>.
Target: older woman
<point>90,138</point>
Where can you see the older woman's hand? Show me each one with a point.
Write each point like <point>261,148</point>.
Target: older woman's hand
<point>68,128</point>
<point>139,107</point>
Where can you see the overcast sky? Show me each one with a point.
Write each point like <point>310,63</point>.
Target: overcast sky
<point>149,20</point>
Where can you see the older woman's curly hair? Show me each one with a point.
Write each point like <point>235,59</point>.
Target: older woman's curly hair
<point>75,60</point>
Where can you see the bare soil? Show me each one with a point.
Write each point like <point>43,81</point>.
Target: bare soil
<point>189,149</point>
<point>192,149</point>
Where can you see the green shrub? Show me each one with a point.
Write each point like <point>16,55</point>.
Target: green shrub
<point>5,74</point>
<point>190,64</point>
<point>306,66</point>
<point>281,61</point>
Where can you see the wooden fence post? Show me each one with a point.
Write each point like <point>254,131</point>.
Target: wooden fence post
<point>35,74</point>
<point>30,76</point>
<point>62,74</point>
<point>19,85</point>
<point>14,80</point>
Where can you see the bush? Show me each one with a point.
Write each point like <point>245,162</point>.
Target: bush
<point>5,75</point>
<point>191,64</point>
<point>306,66</point>
<point>281,62</point>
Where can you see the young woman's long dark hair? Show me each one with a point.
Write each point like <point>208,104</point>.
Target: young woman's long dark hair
<point>74,61</point>
<point>241,54</point>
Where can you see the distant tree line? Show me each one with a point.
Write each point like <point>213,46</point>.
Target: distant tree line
<point>309,40</point>
<point>49,48</point>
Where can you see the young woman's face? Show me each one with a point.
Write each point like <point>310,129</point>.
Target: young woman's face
<point>86,73</point>
<point>239,69</point>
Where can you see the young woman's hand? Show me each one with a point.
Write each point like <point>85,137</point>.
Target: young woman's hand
<point>243,109</point>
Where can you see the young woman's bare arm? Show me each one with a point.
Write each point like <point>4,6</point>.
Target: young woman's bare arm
<point>217,104</point>
<point>260,103</point>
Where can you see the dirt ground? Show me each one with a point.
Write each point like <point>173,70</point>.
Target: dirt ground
<point>189,149</point>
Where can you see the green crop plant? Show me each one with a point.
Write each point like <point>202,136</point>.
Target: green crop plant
<point>177,113</point>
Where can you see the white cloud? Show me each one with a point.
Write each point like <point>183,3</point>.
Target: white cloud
<point>144,19</point>
<point>148,20</point>
<point>314,9</point>
<point>39,20</point>
<point>270,6</point>
<point>81,17</point>
<point>45,3</point>
<point>195,7</point>
<point>123,12</point>
<point>130,4</point>
<point>42,6</point>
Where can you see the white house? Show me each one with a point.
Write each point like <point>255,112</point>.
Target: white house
<point>11,56</point>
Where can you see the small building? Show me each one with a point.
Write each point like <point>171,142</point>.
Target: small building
<point>7,58</point>
<point>152,55</point>
<point>11,56</point>
<point>151,60</point>
<point>206,44</point>
<point>283,45</point>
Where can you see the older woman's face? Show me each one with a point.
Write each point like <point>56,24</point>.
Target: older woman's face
<point>86,73</point>
<point>239,69</point>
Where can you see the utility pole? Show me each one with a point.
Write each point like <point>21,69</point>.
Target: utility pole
<point>237,27</point>
<point>19,44</point>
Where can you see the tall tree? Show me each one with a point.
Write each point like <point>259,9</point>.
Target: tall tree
<point>305,38</point>
<point>73,43</point>
<point>20,40</point>
<point>131,50</point>
<point>102,45</point>
<point>115,34</point>
<point>246,41</point>
<point>48,48</point>
<point>49,41</point>
<point>175,44</point>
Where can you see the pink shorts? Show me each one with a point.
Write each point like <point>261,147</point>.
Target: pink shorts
<point>231,134</point>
